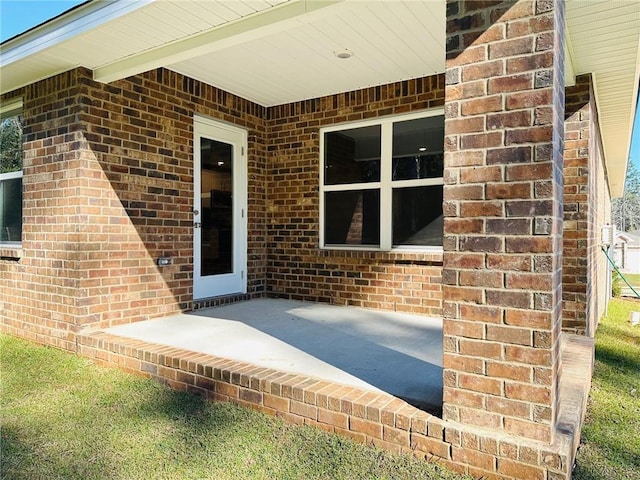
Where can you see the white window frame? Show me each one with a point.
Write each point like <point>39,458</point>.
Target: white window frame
<point>7,110</point>
<point>385,186</point>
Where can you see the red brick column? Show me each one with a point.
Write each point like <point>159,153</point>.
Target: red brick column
<point>504,107</point>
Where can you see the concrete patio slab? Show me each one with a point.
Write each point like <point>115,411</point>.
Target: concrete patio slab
<point>396,353</point>
<point>265,336</point>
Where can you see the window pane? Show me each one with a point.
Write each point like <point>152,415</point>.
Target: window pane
<point>418,147</point>
<point>11,210</point>
<point>352,156</point>
<point>352,218</point>
<point>11,144</point>
<point>417,216</point>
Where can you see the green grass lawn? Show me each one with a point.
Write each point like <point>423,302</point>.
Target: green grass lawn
<point>610,445</point>
<point>63,417</point>
<point>633,279</point>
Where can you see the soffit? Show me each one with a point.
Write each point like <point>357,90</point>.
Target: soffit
<point>605,40</point>
<point>100,33</point>
<point>287,59</point>
<point>390,41</point>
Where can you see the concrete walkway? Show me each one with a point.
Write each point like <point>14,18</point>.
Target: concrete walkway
<point>400,354</point>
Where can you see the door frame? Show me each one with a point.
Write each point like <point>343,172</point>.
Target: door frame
<point>235,282</point>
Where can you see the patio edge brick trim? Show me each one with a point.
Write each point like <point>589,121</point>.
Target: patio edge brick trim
<point>372,418</point>
<point>364,416</point>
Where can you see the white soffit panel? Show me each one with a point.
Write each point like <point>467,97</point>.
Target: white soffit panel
<point>218,37</point>
<point>605,39</point>
<point>390,41</point>
<point>103,32</point>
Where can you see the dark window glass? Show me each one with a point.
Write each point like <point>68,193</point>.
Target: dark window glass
<point>417,216</point>
<point>216,193</point>
<point>418,166</point>
<point>352,156</point>
<point>355,156</point>
<point>10,188</point>
<point>418,147</point>
<point>11,210</point>
<point>352,218</point>
<point>11,144</point>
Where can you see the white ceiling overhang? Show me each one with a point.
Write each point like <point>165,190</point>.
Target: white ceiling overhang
<point>605,40</point>
<point>274,52</point>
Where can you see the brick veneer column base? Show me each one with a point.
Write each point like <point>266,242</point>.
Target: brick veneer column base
<point>372,418</point>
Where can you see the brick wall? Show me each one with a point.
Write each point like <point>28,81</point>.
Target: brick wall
<point>40,283</point>
<point>578,183</point>
<point>108,177</point>
<point>108,181</point>
<point>296,267</point>
<point>503,206</point>
<point>586,210</point>
<point>144,127</point>
<point>600,289</point>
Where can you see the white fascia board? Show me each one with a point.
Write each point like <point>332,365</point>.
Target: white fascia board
<point>634,109</point>
<point>616,188</point>
<point>233,33</point>
<point>10,107</point>
<point>76,22</point>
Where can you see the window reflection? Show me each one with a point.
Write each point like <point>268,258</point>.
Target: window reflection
<point>352,217</point>
<point>352,156</point>
<point>418,147</point>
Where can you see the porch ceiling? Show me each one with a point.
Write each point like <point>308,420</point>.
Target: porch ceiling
<point>279,51</point>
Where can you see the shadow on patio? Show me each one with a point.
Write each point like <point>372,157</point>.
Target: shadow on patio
<point>396,353</point>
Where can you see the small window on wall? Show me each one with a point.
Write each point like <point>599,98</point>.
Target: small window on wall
<point>11,173</point>
<point>381,183</point>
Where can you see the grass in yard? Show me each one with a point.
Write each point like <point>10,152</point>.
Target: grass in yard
<point>610,445</point>
<point>63,417</point>
<point>633,279</point>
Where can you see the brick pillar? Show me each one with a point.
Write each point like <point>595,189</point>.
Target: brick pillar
<point>504,107</point>
<point>580,229</point>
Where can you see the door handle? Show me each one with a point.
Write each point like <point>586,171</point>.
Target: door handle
<point>197,225</point>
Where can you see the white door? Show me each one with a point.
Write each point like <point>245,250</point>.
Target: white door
<point>220,190</point>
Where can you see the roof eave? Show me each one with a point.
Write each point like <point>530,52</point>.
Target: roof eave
<point>68,24</point>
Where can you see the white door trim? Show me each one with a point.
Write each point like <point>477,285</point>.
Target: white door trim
<point>236,281</point>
